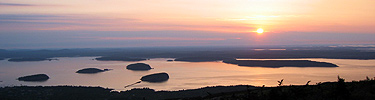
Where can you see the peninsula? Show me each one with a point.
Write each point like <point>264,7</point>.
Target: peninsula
<point>279,63</point>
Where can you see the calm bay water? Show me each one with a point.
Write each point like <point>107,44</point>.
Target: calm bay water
<point>183,75</point>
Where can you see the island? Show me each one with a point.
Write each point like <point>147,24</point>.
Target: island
<point>139,67</point>
<point>157,77</point>
<point>278,63</point>
<point>170,60</point>
<point>118,58</point>
<point>34,78</point>
<point>91,70</point>
<point>29,59</point>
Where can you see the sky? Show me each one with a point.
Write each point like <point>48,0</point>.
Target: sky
<point>29,24</point>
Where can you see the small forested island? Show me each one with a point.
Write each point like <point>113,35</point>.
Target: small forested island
<point>138,67</point>
<point>34,78</point>
<point>340,90</point>
<point>157,77</point>
<point>279,63</point>
<point>118,58</point>
<point>91,70</point>
<point>29,59</point>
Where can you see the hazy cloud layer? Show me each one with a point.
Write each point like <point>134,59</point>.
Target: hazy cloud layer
<point>127,23</point>
<point>113,39</point>
<point>15,4</point>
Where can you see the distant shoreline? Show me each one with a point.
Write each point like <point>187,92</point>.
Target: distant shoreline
<point>143,59</point>
<point>30,59</point>
<point>190,54</point>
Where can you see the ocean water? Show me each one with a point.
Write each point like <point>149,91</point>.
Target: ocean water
<point>183,75</point>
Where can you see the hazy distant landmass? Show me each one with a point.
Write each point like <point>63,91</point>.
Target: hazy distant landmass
<point>195,54</point>
<point>29,59</point>
<point>279,63</point>
<point>118,58</point>
<point>199,59</point>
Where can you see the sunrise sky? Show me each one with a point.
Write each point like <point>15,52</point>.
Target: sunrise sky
<point>144,23</point>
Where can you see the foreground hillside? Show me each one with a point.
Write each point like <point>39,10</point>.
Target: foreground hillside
<point>356,90</point>
<point>360,90</point>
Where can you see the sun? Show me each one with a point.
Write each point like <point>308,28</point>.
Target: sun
<point>260,31</point>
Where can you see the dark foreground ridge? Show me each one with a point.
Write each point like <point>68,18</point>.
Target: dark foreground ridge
<point>340,90</point>
<point>34,78</point>
<point>279,63</point>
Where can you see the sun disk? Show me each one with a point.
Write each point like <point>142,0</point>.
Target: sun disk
<point>260,31</point>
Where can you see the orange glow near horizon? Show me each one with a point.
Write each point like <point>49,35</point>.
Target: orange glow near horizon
<point>223,16</point>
